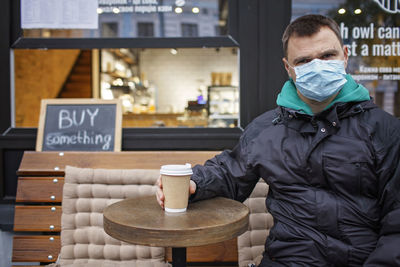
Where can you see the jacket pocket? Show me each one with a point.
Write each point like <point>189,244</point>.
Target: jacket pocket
<point>355,185</point>
<point>343,177</point>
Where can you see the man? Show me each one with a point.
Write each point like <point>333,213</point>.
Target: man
<point>329,155</point>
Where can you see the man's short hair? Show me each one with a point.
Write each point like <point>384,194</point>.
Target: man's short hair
<point>309,25</point>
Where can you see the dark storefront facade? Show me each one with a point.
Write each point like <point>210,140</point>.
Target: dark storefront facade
<point>246,34</point>
<point>253,27</point>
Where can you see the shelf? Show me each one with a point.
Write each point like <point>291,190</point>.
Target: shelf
<point>126,58</point>
<point>224,116</point>
<point>115,75</point>
<point>223,88</point>
<point>216,102</point>
<point>227,95</point>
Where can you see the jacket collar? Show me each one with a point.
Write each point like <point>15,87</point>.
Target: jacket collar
<point>351,92</point>
<point>331,117</point>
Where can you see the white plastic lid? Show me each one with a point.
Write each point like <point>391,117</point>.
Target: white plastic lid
<point>177,170</point>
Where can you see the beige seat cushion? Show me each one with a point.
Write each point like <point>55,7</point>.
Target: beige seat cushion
<point>251,243</point>
<point>83,240</point>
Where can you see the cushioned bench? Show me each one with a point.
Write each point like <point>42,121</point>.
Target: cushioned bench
<point>39,195</point>
<point>39,199</point>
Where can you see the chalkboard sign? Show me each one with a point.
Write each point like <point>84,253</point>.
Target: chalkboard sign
<point>79,125</point>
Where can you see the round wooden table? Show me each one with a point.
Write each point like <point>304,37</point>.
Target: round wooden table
<point>142,221</point>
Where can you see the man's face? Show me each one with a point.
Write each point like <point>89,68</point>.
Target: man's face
<point>322,45</point>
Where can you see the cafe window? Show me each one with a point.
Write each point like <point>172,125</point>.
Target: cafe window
<point>192,82</point>
<point>158,87</point>
<point>145,29</point>
<point>371,30</point>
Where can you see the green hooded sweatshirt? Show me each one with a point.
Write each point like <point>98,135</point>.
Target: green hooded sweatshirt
<point>351,92</point>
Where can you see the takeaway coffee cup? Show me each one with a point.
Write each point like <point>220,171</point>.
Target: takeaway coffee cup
<point>175,181</point>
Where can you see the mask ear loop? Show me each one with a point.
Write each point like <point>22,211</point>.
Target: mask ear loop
<point>287,62</point>
<point>290,66</point>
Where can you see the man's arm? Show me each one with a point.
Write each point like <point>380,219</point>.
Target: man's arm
<point>228,174</point>
<point>387,252</point>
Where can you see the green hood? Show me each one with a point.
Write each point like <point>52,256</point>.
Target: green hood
<point>351,92</point>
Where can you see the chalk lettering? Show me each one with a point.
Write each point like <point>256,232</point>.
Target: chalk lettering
<point>64,120</point>
<point>92,115</point>
<point>74,118</point>
<point>81,138</point>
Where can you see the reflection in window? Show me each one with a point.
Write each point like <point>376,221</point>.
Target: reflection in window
<point>167,16</point>
<point>109,29</point>
<point>370,29</point>
<point>189,30</point>
<point>145,29</point>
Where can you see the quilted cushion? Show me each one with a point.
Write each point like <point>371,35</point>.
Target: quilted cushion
<point>251,243</point>
<point>86,193</point>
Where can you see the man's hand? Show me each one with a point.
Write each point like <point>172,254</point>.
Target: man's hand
<point>160,193</point>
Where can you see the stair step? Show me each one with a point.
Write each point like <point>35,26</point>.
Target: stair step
<point>83,69</point>
<point>79,77</point>
<point>85,61</point>
<point>75,95</point>
<point>77,86</point>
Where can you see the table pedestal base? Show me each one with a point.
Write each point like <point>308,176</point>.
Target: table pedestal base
<point>179,257</point>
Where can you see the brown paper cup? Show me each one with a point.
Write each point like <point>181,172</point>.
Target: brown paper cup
<point>175,181</point>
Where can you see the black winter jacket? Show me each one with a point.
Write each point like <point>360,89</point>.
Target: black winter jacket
<point>334,182</point>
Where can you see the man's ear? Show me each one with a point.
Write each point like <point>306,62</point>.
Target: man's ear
<point>286,64</point>
<point>346,55</point>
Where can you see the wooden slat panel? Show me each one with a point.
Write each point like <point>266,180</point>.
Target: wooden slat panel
<point>51,163</point>
<point>220,252</point>
<point>35,248</point>
<point>39,189</point>
<point>37,218</point>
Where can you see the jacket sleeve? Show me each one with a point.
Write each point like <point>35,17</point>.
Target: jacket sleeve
<point>227,175</point>
<point>387,252</point>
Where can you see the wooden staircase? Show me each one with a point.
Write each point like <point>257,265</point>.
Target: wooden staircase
<point>79,82</point>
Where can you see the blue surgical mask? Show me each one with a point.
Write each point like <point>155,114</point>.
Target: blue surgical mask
<point>320,79</point>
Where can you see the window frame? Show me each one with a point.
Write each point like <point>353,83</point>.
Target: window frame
<point>141,138</point>
<point>146,27</point>
<point>255,26</point>
<point>189,27</point>
<point>19,41</point>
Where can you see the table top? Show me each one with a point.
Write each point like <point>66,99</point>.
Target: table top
<point>142,221</point>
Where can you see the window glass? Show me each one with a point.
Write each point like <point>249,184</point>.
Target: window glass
<point>371,30</point>
<point>189,30</point>
<point>145,29</point>
<point>184,87</point>
<point>148,18</point>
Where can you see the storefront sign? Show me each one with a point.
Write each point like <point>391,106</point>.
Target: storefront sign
<point>374,42</point>
<point>79,125</point>
<point>134,6</point>
<point>71,14</point>
<point>391,6</point>
<point>373,33</point>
